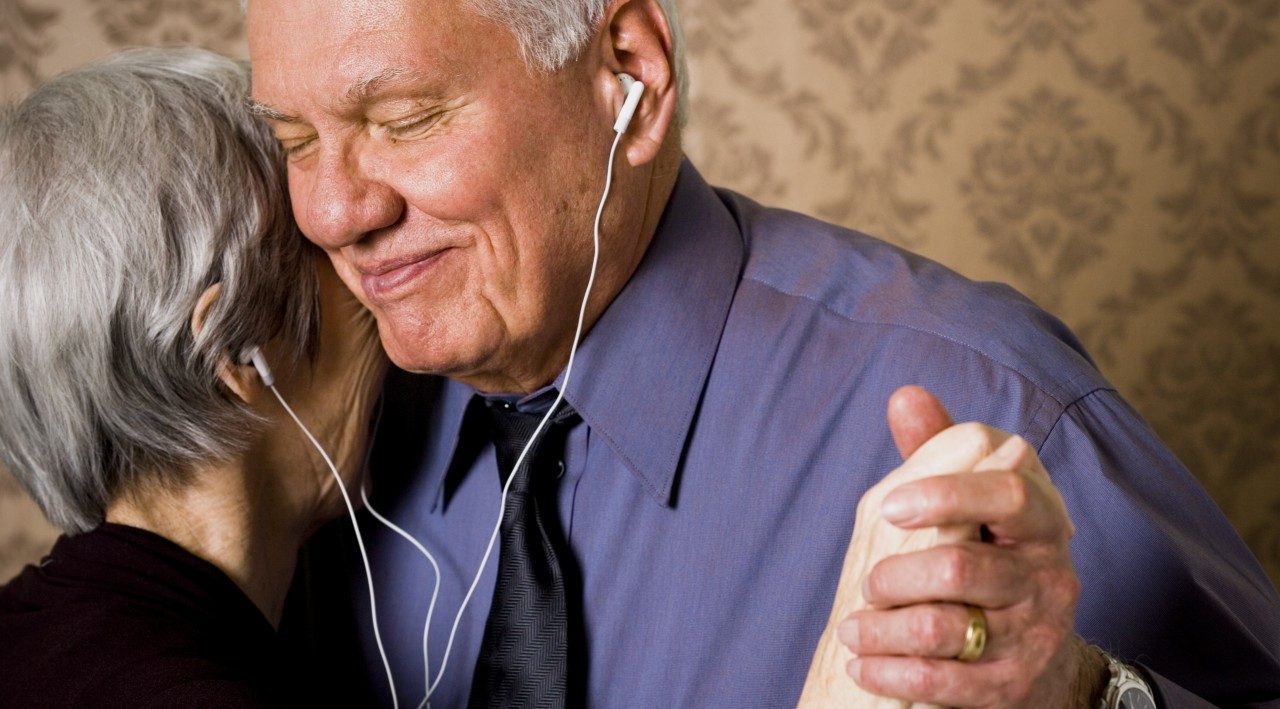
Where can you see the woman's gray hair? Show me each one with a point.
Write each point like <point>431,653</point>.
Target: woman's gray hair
<point>127,188</point>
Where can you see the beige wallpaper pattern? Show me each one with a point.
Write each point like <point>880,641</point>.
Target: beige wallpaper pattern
<point>1116,160</point>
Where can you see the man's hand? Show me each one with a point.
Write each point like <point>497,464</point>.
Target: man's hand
<point>1004,550</point>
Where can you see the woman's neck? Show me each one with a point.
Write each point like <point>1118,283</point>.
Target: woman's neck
<point>230,518</point>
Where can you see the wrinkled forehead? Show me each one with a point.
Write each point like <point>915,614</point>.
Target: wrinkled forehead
<point>314,50</point>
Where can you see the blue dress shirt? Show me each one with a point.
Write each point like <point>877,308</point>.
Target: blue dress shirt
<point>733,404</point>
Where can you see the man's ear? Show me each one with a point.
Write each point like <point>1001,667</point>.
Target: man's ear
<point>637,40</point>
<point>241,379</point>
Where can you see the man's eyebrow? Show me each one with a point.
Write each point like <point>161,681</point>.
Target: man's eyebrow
<point>358,93</point>
<point>270,113</point>
<point>364,90</point>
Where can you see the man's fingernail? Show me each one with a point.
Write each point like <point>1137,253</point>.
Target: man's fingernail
<point>848,633</point>
<point>895,509</point>
<point>854,668</point>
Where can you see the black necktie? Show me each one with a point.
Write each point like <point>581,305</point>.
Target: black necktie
<point>524,657</point>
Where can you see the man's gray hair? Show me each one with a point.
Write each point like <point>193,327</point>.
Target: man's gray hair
<point>127,188</point>
<point>551,33</point>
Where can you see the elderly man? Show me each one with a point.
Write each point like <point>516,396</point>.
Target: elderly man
<point>681,538</point>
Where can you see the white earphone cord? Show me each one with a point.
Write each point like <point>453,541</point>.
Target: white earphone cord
<point>373,603</point>
<point>364,556</point>
<point>346,498</point>
<point>435,593</point>
<point>568,372</point>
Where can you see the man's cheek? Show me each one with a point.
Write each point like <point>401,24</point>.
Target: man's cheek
<point>299,197</point>
<point>463,179</point>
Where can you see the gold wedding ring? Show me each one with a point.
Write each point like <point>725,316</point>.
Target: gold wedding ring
<point>975,636</point>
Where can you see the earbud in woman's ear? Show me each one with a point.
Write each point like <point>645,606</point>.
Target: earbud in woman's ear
<point>254,355</point>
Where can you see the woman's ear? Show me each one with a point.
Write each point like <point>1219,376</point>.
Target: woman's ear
<point>241,379</point>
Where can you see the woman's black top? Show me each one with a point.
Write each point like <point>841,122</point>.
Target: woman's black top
<point>121,617</point>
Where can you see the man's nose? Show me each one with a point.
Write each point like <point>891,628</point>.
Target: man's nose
<point>345,203</point>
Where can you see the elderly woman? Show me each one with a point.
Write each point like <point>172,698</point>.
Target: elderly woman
<point>147,246</point>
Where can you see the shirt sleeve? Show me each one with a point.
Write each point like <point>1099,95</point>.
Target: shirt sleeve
<point>1169,694</point>
<point>1166,581</point>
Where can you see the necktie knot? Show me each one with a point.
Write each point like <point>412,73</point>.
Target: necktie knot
<point>510,431</point>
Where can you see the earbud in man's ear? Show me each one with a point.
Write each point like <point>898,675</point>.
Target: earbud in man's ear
<point>635,90</point>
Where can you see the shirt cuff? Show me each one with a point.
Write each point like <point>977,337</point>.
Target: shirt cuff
<point>1170,695</point>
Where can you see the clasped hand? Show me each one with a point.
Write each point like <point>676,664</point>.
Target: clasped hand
<point>1002,547</point>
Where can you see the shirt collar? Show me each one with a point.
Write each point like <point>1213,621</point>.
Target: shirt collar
<point>639,373</point>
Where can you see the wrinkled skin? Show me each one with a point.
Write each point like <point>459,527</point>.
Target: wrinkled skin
<point>334,396</point>
<point>969,518</point>
<point>453,188</point>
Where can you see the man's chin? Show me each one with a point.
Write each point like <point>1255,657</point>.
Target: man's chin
<point>425,355</point>
<point>419,363</point>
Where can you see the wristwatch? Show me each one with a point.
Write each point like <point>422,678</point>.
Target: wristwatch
<point>1127,688</point>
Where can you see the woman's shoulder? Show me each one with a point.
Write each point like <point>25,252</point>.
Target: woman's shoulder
<point>86,632</point>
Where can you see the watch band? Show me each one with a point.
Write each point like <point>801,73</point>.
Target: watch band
<point>1128,689</point>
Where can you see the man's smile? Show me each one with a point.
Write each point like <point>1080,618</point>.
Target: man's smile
<point>386,280</point>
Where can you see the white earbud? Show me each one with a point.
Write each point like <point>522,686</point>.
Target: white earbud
<point>254,355</point>
<point>634,89</point>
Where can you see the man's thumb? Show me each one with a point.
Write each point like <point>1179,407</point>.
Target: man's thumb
<point>915,416</point>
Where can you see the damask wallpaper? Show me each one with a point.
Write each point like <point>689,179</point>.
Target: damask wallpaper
<point>1117,161</point>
